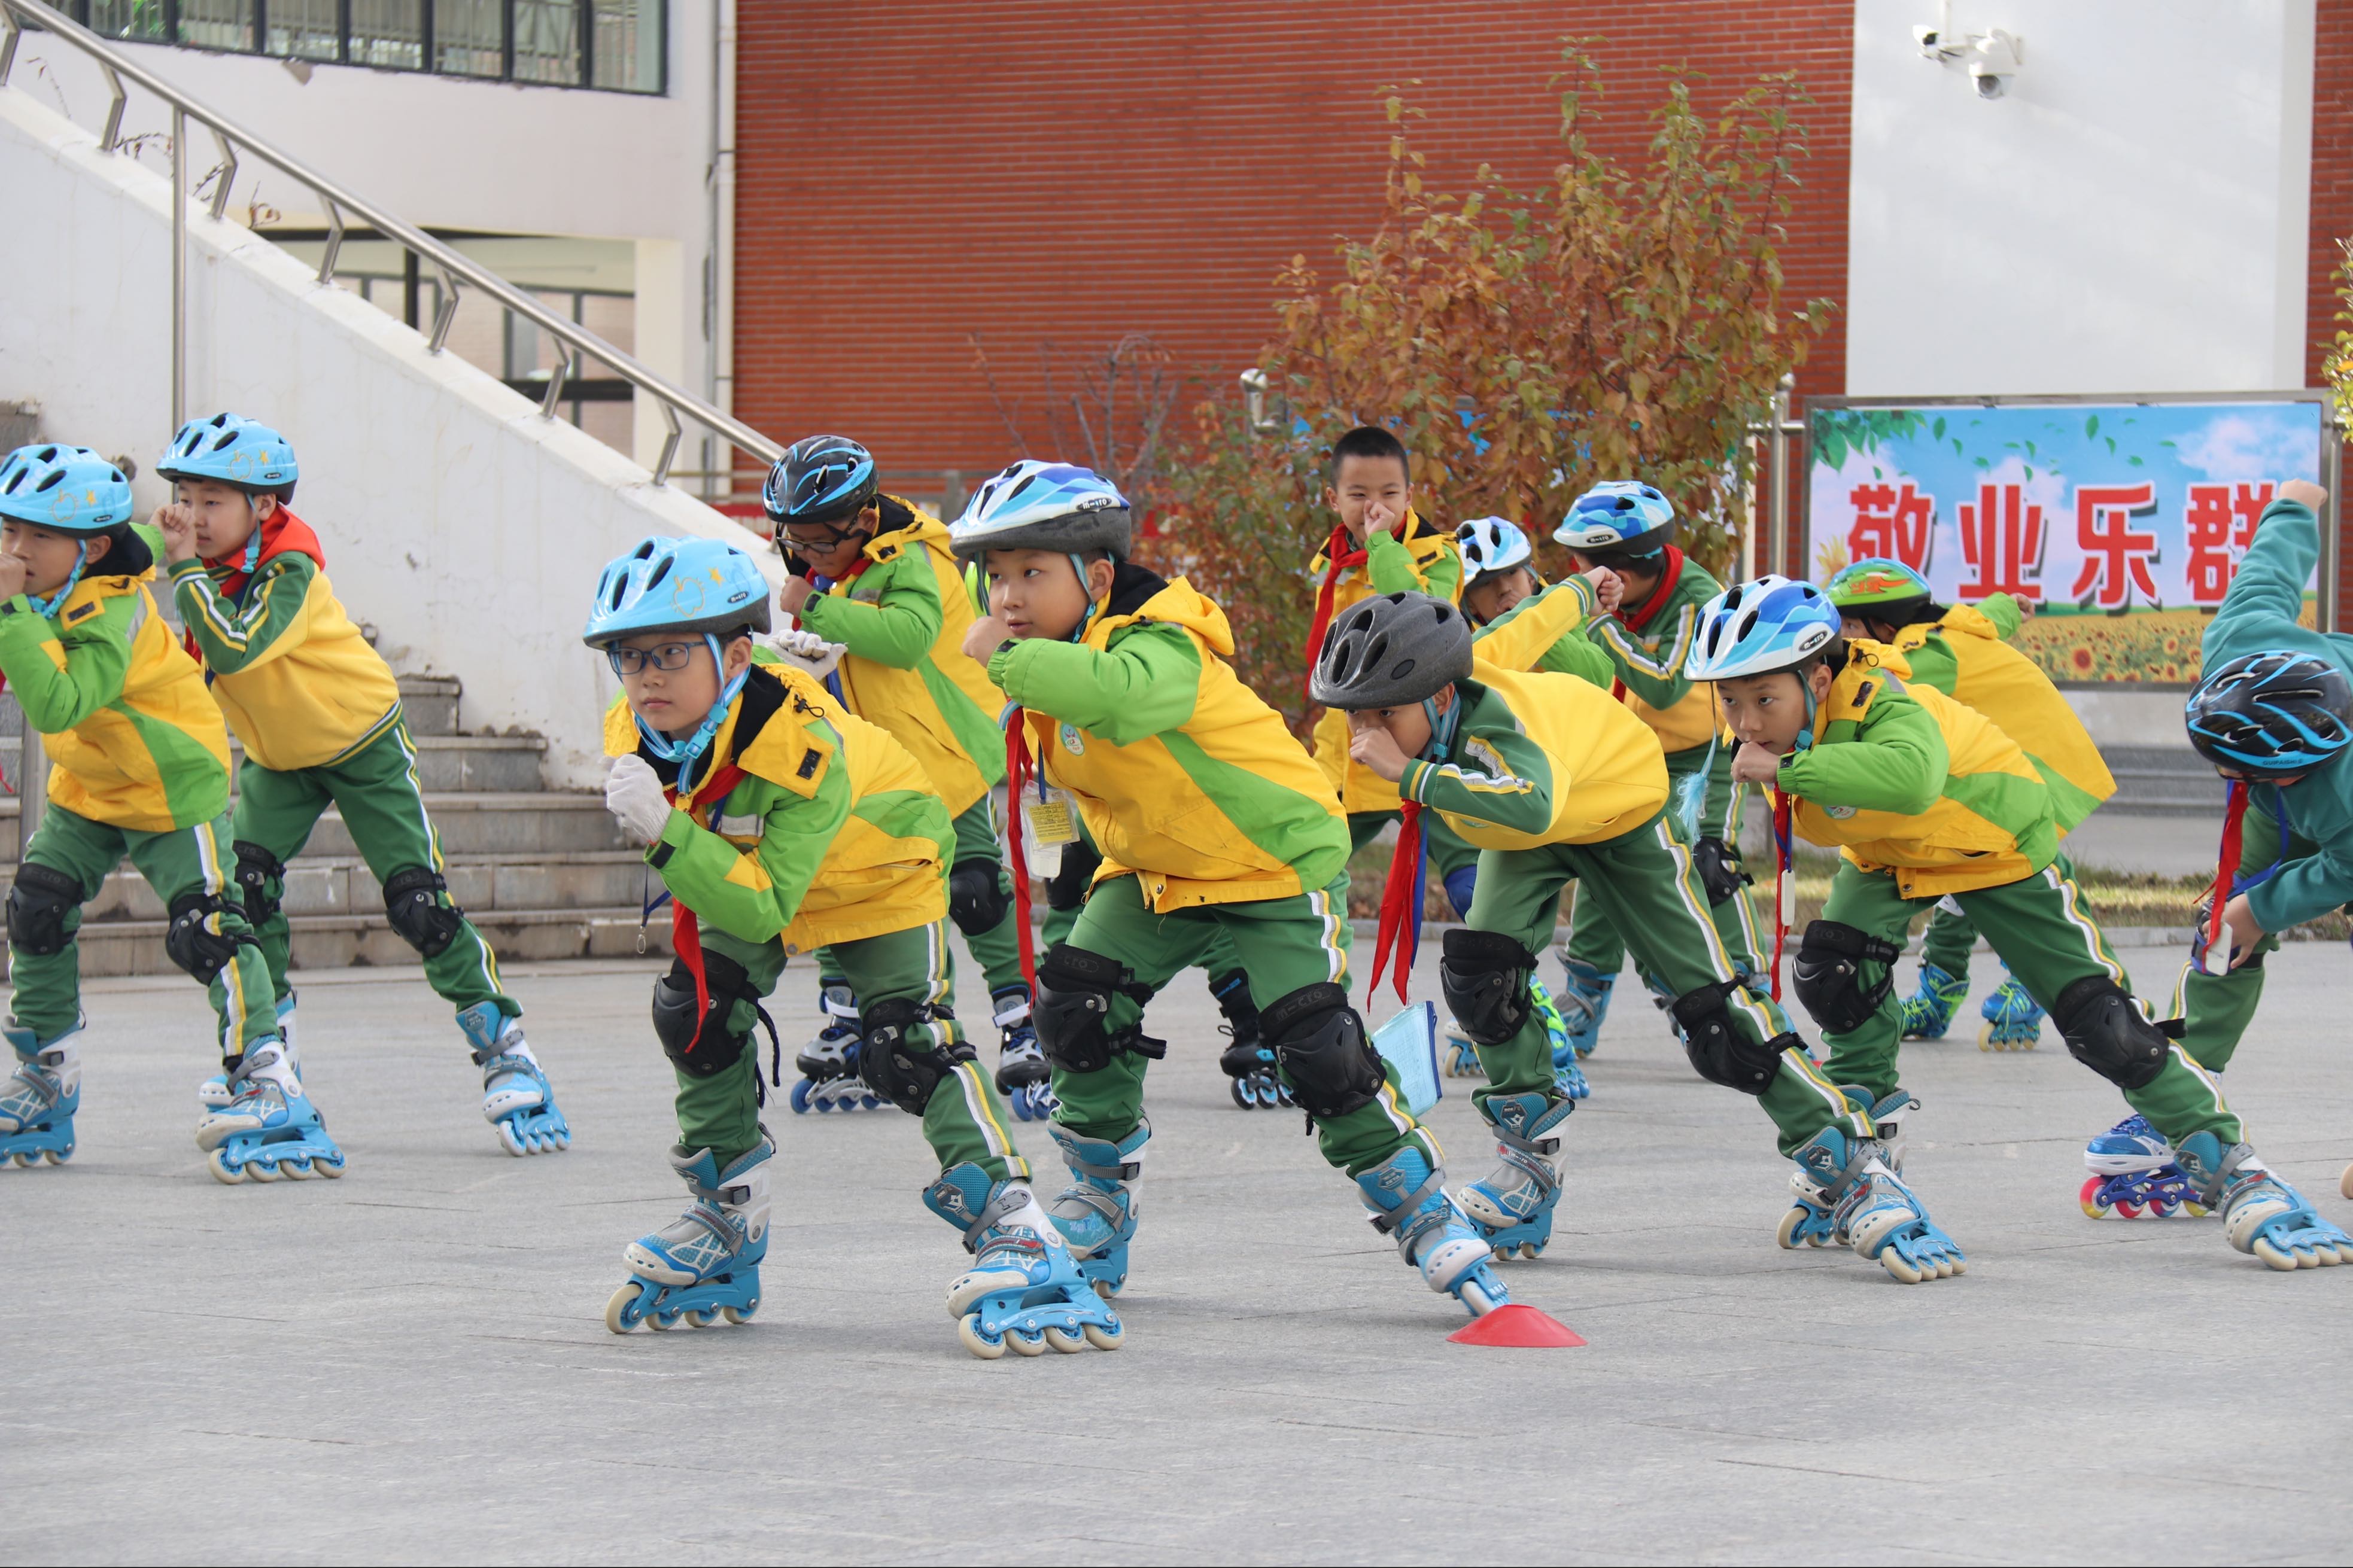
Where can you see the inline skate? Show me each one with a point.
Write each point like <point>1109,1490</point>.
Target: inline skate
<point>705,1264</point>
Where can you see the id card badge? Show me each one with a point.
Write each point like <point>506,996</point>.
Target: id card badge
<point>1048,824</point>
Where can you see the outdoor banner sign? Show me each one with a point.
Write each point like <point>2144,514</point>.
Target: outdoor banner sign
<point>2118,524</point>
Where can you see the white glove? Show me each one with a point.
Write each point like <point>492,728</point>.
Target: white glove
<point>634,796</point>
<point>809,651</point>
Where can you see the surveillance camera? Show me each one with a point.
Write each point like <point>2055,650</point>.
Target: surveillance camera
<point>1987,85</point>
<point>1993,61</point>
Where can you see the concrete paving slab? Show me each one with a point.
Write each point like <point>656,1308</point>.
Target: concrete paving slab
<point>410,1363</point>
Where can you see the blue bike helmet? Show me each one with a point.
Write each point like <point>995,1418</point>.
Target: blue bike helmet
<point>65,490</point>
<point>1035,505</point>
<point>686,586</point>
<point>2269,715</point>
<point>1619,519</point>
<point>1490,544</point>
<point>1755,628</point>
<point>820,480</point>
<point>232,449</point>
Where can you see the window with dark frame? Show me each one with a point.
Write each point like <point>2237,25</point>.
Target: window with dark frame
<point>613,45</point>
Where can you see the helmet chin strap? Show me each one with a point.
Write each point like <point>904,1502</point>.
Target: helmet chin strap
<point>685,753</point>
<point>1078,632</point>
<point>1442,725</point>
<point>48,606</point>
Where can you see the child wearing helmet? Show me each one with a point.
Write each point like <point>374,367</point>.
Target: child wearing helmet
<point>1926,799</point>
<point>781,824</point>
<point>872,575</point>
<point>1627,529</point>
<point>139,768</point>
<point>1210,819</point>
<point>1961,650</point>
<point>318,715</point>
<point>2273,714</point>
<point>1380,544</point>
<point>1554,782</point>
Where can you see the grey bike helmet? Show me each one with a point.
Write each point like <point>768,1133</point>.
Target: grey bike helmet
<point>1391,651</point>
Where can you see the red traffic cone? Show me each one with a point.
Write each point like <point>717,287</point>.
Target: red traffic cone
<point>1516,1327</point>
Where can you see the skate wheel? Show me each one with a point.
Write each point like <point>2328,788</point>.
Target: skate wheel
<point>22,1162</point>
<point>58,1156</point>
<point>741,1314</point>
<point>2344,1182</point>
<point>296,1169</point>
<point>2088,1199</point>
<point>976,1339</point>
<point>1105,1336</point>
<point>1901,1267</point>
<point>1065,1341</point>
<point>1785,1233</point>
<point>1242,1097</point>
<point>328,1166</point>
<point>626,1310</point>
<point>1107,1288</point>
<point>261,1169</point>
<point>1026,1342</point>
<point>2285,1259</point>
<point>701,1318</point>
<point>217,1163</point>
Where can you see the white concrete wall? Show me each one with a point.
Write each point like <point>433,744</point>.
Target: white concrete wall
<point>2130,217</point>
<point>443,152</point>
<point>468,529</point>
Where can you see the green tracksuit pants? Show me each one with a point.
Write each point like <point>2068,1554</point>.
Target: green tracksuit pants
<point>375,790</point>
<point>2039,926</point>
<point>966,1119</point>
<point>1642,883</point>
<point>194,859</point>
<point>2218,1007</point>
<point>1282,944</point>
<point>1952,935</point>
<point>1598,941</point>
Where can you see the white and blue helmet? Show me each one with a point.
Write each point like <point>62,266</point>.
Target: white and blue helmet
<point>233,449</point>
<point>1491,544</point>
<point>1035,505</point>
<point>677,585</point>
<point>1755,628</point>
<point>1621,517</point>
<point>66,490</point>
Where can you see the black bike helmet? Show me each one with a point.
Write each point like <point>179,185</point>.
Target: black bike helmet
<point>820,480</point>
<point>1390,651</point>
<point>2268,715</point>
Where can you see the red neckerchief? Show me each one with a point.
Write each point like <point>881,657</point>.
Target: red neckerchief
<point>1639,618</point>
<point>282,533</point>
<point>2234,817</point>
<point>1339,558</point>
<point>1400,931</point>
<point>826,585</point>
<point>1018,766</point>
<point>685,931</point>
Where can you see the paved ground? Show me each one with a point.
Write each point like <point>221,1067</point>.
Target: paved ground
<point>410,1364</point>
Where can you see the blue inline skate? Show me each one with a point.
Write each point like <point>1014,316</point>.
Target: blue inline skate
<point>1928,1012</point>
<point>1583,1003</point>
<point>516,1099</point>
<point>1405,1197</point>
<point>1023,1290</point>
<point>1097,1211</point>
<point>828,1063</point>
<point>2133,1175</point>
<point>1247,1061</point>
<point>1512,1206</point>
<point>1461,1053</point>
<point>2013,1020</point>
<point>38,1104</point>
<point>1850,1191</point>
<point>269,1127</point>
<point>705,1264</point>
<point>1022,1075</point>
<point>2261,1216</point>
<point>214,1092</point>
<point>1567,1075</point>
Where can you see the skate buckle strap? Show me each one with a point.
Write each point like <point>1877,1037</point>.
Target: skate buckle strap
<point>1095,1198</point>
<point>1127,1171</point>
<point>1004,1202</point>
<point>1399,1221</point>
<point>2216,1185</point>
<point>1548,1147</point>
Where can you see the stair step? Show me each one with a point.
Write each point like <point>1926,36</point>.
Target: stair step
<point>342,885</point>
<point>341,941</point>
<point>429,702</point>
<point>468,763</point>
<point>501,822</point>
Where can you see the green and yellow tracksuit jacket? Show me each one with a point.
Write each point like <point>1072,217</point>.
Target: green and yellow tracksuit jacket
<point>1546,631</point>
<point>132,740</point>
<point>2259,616</point>
<point>297,681</point>
<point>903,617</point>
<point>1186,779</point>
<point>1648,644</point>
<point>1420,558</point>
<point>1963,657</point>
<point>1905,780</point>
<point>831,833</point>
<point>1540,759</point>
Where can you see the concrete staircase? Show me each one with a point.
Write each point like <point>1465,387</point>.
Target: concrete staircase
<point>2163,781</point>
<point>543,873</point>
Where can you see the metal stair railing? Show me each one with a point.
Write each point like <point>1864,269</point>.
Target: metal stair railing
<point>576,343</point>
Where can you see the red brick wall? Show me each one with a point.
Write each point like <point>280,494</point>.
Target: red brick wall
<point>913,171</point>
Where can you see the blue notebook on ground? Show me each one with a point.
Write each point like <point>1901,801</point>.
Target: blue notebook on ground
<point>1409,1042</point>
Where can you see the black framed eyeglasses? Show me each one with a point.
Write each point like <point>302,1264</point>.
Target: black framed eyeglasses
<point>671,656</point>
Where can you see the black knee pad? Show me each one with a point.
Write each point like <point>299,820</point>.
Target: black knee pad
<point>38,907</point>
<point>1066,889</point>
<point>1483,976</point>
<point>1718,864</point>
<point>1320,1043</point>
<point>195,939</point>
<point>1072,1004</point>
<point>2106,1031</point>
<point>902,1069</point>
<point>412,902</point>
<point>1828,974</point>
<point>261,879</point>
<point>705,1045</point>
<point>1719,1051</point>
<point>977,896</point>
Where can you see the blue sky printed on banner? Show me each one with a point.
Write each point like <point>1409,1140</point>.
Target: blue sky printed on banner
<point>2110,506</point>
